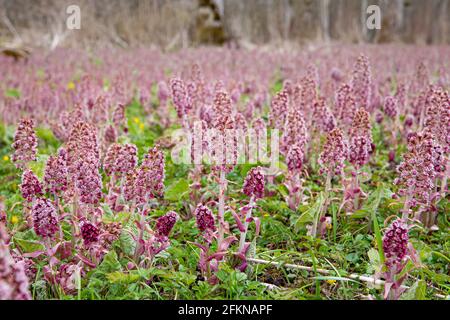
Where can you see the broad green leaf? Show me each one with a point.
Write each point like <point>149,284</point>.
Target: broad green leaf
<point>177,190</point>
<point>28,245</point>
<point>122,277</point>
<point>310,214</point>
<point>416,292</point>
<point>12,93</point>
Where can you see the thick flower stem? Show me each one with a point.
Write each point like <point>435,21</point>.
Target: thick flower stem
<point>324,207</point>
<point>141,234</point>
<point>221,213</point>
<point>248,215</point>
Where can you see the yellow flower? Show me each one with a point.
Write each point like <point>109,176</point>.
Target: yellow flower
<point>141,126</point>
<point>331,281</point>
<point>70,85</point>
<point>136,120</point>
<point>5,158</point>
<point>14,220</point>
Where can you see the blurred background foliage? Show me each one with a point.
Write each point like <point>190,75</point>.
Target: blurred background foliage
<point>174,24</point>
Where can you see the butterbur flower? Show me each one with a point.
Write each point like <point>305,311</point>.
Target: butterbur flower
<point>437,116</point>
<point>224,140</point>
<point>118,116</point>
<point>30,186</point>
<point>254,183</point>
<point>129,185</point>
<point>56,173</point>
<point>361,123</point>
<point>390,107</point>
<point>223,112</point>
<point>88,180</point>
<point>360,145</point>
<point>165,224</point>
<point>45,218</point>
<point>25,143</point>
<point>345,105</point>
<point>205,218</point>
<point>295,130</point>
<point>395,244</point>
<point>361,82</point>
<point>278,110</point>
<point>110,161</point>
<point>163,92</point>
<point>359,150</point>
<point>180,97</point>
<point>323,118</point>
<point>336,75</point>
<point>127,158</point>
<point>417,171</point>
<point>110,134</point>
<point>120,159</point>
<point>397,251</point>
<point>89,232</point>
<point>149,181</point>
<point>334,153</point>
<point>82,144</point>
<point>294,158</point>
<point>13,280</point>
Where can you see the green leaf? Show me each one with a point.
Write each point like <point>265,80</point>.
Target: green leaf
<point>122,277</point>
<point>177,190</point>
<point>308,215</point>
<point>416,292</point>
<point>12,93</point>
<point>28,245</point>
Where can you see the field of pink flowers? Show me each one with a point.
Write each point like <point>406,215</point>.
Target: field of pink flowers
<point>216,173</point>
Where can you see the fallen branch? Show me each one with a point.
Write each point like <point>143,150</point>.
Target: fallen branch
<point>354,276</point>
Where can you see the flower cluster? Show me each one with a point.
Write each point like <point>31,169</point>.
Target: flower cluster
<point>120,159</point>
<point>13,280</point>
<point>417,171</point>
<point>205,219</point>
<point>45,218</point>
<point>224,140</point>
<point>165,224</point>
<point>88,180</point>
<point>180,97</point>
<point>295,130</point>
<point>89,232</point>
<point>25,143</point>
<point>56,173</point>
<point>345,105</point>
<point>437,116</point>
<point>149,182</point>
<point>322,116</point>
<point>294,158</point>
<point>361,82</point>
<point>395,243</point>
<point>118,117</point>
<point>360,145</point>
<point>278,110</point>
<point>110,134</point>
<point>390,107</point>
<point>30,186</point>
<point>334,153</point>
<point>254,183</point>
